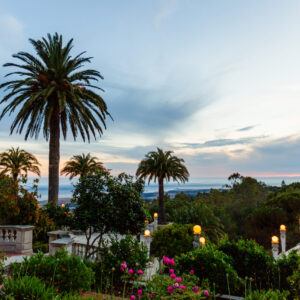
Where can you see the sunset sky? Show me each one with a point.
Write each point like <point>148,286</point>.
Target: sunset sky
<point>218,82</point>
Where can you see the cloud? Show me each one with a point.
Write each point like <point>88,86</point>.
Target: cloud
<point>153,111</point>
<point>246,128</point>
<point>222,142</point>
<point>166,9</point>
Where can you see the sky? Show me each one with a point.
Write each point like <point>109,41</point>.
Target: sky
<point>217,82</point>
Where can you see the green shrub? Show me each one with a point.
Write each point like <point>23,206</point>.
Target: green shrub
<point>26,288</point>
<point>249,260</point>
<point>158,288</point>
<point>2,267</point>
<point>212,264</point>
<point>61,216</point>
<point>283,268</point>
<point>267,295</point>
<point>172,240</point>
<point>65,272</point>
<point>294,282</point>
<point>107,271</point>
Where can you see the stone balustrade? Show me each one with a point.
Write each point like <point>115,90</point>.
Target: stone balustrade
<point>16,239</point>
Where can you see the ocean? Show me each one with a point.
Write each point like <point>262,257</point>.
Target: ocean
<point>192,187</point>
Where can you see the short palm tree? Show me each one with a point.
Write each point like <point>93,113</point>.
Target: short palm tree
<point>160,165</point>
<point>54,94</point>
<point>17,162</point>
<point>81,165</point>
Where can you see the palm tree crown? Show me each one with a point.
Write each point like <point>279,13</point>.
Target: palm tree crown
<point>160,165</point>
<point>53,95</point>
<point>18,161</point>
<point>81,165</point>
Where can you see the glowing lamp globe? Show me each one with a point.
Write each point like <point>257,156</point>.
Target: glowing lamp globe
<point>146,221</point>
<point>147,233</point>
<point>197,229</point>
<point>202,240</point>
<point>63,205</point>
<point>155,215</point>
<point>282,228</point>
<point>275,239</point>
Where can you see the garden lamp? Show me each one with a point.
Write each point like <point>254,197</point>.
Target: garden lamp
<point>63,205</point>
<point>147,239</point>
<point>155,223</point>
<point>275,242</point>
<point>202,240</point>
<point>197,232</point>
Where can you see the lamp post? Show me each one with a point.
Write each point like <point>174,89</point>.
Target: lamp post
<point>147,240</point>
<point>197,232</point>
<point>202,240</point>
<point>283,237</point>
<point>275,247</point>
<point>155,216</point>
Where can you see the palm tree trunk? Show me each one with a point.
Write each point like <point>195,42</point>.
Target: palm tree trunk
<point>54,157</point>
<point>161,202</point>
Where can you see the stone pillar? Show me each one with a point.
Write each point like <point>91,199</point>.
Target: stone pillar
<point>283,238</point>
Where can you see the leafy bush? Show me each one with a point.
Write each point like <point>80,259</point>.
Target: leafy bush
<point>212,264</point>
<point>107,270</point>
<point>283,268</point>
<point>66,272</point>
<point>267,295</point>
<point>61,216</point>
<point>26,288</point>
<point>165,287</point>
<point>2,268</point>
<point>249,260</point>
<point>294,282</point>
<point>172,240</point>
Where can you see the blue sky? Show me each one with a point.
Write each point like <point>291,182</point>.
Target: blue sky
<point>218,82</point>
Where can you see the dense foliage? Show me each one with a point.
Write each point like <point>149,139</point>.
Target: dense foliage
<point>212,264</point>
<point>113,253</point>
<point>67,273</point>
<point>172,240</point>
<point>25,288</point>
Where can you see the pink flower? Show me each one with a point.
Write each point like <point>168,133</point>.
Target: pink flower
<point>172,276</point>
<point>172,262</point>
<point>192,272</point>
<point>170,289</point>
<point>171,271</point>
<point>132,297</point>
<point>123,266</point>
<point>182,287</point>
<point>206,293</point>
<point>150,295</point>
<point>140,292</point>
<point>140,272</point>
<point>130,271</point>
<point>175,285</point>
<point>195,289</point>
<point>178,279</point>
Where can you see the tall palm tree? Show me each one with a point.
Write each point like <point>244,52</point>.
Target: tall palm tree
<point>18,161</point>
<point>160,165</point>
<point>81,165</point>
<point>52,94</point>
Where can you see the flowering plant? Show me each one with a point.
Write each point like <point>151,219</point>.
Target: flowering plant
<point>171,286</point>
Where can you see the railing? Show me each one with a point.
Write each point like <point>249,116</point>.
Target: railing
<point>78,249</point>
<point>16,239</point>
